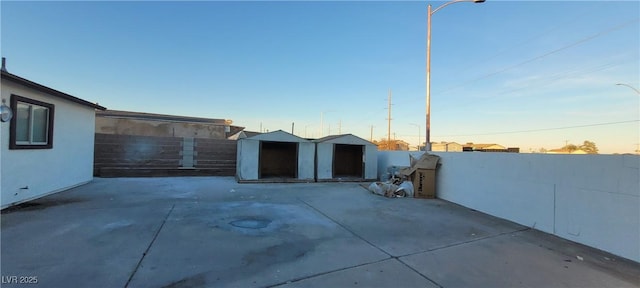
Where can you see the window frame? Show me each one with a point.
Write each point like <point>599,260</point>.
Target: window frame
<point>13,144</point>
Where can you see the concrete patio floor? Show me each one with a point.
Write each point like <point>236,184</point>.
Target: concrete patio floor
<point>214,232</point>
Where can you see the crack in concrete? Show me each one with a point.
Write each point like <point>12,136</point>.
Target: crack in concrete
<point>366,241</point>
<point>326,272</point>
<point>453,245</point>
<point>144,254</point>
<point>345,227</point>
<point>466,242</point>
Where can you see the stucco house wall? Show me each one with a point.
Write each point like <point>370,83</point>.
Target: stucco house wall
<point>32,173</point>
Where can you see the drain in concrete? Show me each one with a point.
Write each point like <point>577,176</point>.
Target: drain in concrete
<point>251,223</point>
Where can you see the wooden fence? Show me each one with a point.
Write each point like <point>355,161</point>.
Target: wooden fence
<point>135,156</point>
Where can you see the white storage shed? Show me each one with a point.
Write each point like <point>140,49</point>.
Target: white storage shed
<point>346,158</point>
<point>275,157</point>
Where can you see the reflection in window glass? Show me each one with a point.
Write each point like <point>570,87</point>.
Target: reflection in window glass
<point>40,122</point>
<point>22,122</point>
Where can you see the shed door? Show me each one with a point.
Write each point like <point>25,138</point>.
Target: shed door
<point>278,160</point>
<point>348,161</point>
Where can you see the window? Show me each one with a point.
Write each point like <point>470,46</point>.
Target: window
<point>31,125</point>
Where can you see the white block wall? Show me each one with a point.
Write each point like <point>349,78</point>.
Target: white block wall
<point>589,199</point>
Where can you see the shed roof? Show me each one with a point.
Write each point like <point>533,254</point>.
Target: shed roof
<point>343,139</point>
<point>49,91</point>
<point>243,134</point>
<point>277,136</point>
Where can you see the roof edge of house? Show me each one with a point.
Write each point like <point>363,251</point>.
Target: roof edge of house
<point>44,89</point>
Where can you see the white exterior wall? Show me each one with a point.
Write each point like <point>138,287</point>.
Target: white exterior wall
<point>325,160</point>
<point>589,199</point>
<point>371,162</point>
<point>306,161</point>
<point>68,164</point>
<point>247,161</point>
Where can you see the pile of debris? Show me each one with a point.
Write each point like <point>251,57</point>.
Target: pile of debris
<point>417,180</point>
<point>394,187</point>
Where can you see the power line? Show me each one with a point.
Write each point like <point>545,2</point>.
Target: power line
<point>538,83</point>
<point>522,43</point>
<point>543,129</point>
<point>581,41</point>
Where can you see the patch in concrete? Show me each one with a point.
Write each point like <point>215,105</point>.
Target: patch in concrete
<point>117,224</point>
<point>261,219</point>
<point>251,223</point>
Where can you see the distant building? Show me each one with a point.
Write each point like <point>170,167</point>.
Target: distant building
<point>400,145</point>
<point>566,151</point>
<point>469,147</point>
<point>446,147</point>
<point>397,145</point>
<point>148,124</point>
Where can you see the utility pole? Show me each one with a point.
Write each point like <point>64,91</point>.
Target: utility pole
<point>389,122</point>
<point>371,135</point>
<point>292,124</point>
<point>321,124</point>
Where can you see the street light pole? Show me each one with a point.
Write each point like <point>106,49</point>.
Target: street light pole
<point>427,144</point>
<point>430,12</point>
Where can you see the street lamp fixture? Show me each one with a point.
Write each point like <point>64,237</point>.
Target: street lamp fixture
<point>430,12</point>
<point>634,88</point>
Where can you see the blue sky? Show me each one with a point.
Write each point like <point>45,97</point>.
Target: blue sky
<point>500,66</point>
